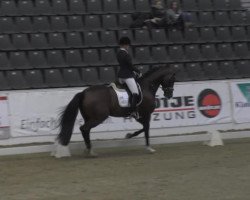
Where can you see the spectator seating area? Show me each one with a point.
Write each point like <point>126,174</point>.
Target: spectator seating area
<point>67,43</point>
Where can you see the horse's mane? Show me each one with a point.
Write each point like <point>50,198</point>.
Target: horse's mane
<point>154,69</point>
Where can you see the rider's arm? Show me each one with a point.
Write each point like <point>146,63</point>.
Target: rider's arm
<point>130,65</point>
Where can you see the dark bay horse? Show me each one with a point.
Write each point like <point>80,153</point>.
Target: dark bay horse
<point>97,103</point>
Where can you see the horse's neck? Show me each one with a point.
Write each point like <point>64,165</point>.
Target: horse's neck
<point>152,82</point>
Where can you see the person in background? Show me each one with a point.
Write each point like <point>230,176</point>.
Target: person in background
<point>173,17</point>
<point>127,72</point>
<point>158,14</point>
<point>176,18</point>
<point>154,19</point>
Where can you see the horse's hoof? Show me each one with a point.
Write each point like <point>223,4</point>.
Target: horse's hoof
<point>129,135</point>
<point>60,151</point>
<point>150,150</point>
<point>90,154</point>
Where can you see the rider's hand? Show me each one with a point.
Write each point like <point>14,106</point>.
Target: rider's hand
<point>138,74</point>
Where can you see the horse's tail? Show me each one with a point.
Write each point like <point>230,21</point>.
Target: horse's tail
<point>68,118</point>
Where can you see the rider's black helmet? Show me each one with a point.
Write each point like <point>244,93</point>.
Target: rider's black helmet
<point>124,41</point>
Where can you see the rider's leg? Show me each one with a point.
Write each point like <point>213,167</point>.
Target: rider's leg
<point>135,93</point>
<point>132,86</point>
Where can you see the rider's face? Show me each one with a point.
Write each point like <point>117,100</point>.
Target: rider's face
<point>158,2</point>
<point>126,47</point>
<point>174,5</point>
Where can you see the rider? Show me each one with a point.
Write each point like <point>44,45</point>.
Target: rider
<point>127,72</point>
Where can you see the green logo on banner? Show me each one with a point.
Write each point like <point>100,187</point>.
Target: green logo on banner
<point>245,89</point>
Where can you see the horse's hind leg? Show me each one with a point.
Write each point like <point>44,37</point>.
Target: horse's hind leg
<point>86,136</point>
<point>85,130</point>
<point>89,151</point>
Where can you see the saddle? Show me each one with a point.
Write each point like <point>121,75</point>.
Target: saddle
<point>124,95</point>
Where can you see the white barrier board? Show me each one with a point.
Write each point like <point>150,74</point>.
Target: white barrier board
<point>193,104</point>
<point>35,113</point>
<point>241,101</point>
<point>4,114</point>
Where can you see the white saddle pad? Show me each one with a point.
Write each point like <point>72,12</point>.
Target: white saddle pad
<point>122,96</point>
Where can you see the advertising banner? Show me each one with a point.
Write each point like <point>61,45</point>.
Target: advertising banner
<point>4,118</point>
<point>36,113</point>
<point>4,115</point>
<point>241,101</point>
<point>193,104</point>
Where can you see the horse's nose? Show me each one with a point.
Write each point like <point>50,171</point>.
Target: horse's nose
<point>168,95</point>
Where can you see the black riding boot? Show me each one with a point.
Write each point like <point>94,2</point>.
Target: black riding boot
<point>134,101</point>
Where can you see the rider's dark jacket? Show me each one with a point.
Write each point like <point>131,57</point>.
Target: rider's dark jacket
<point>126,66</point>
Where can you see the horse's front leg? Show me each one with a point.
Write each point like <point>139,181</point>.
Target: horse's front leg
<point>131,135</point>
<point>146,126</point>
<point>148,147</point>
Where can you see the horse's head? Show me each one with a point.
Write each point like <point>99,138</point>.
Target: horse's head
<point>161,75</point>
<point>168,85</point>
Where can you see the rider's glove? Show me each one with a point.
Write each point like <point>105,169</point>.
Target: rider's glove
<point>138,74</point>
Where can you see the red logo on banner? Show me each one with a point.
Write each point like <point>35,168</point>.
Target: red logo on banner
<point>209,103</point>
